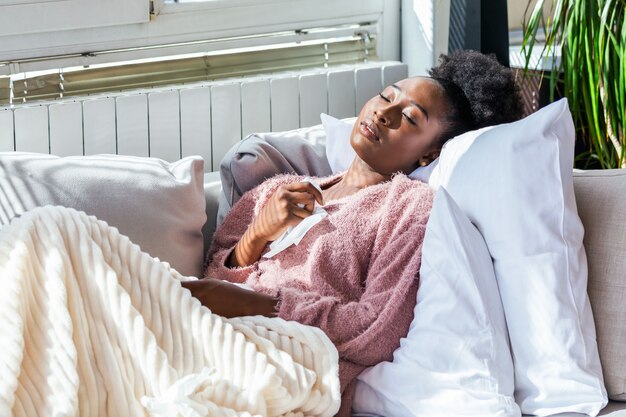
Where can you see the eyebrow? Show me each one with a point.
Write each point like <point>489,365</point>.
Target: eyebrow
<point>413,102</point>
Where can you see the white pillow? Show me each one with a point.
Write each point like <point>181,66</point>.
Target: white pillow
<point>455,359</point>
<point>159,205</point>
<point>514,182</point>
<point>340,154</point>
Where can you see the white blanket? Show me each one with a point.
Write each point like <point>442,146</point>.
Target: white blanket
<point>90,326</point>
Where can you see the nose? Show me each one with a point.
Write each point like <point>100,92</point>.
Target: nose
<point>389,115</point>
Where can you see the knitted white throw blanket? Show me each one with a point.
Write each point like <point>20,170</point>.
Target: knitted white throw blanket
<point>92,326</point>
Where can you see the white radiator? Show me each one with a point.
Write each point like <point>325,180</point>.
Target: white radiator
<point>201,119</point>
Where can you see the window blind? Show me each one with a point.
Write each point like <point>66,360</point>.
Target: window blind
<point>359,47</point>
<point>5,89</point>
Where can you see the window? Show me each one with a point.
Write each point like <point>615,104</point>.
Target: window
<point>19,17</point>
<point>182,69</point>
<point>170,29</point>
<point>516,12</point>
<point>72,40</point>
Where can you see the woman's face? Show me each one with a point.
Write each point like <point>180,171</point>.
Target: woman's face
<point>397,130</point>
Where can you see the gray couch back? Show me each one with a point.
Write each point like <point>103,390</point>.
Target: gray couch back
<point>600,199</point>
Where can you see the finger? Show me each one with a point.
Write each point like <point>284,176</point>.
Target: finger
<point>309,188</point>
<point>302,199</point>
<point>309,205</point>
<point>317,194</point>
<point>299,212</point>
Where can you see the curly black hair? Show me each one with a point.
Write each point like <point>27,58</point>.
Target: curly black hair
<point>481,91</point>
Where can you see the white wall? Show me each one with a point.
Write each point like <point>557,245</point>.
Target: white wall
<point>425,26</point>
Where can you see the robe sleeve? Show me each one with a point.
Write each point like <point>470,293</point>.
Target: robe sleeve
<point>233,228</point>
<point>367,331</point>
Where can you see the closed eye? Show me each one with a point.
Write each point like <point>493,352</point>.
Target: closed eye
<point>409,119</point>
<point>384,98</point>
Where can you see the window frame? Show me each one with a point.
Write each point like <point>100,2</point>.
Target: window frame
<point>19,17</point>
<point>231,23</point>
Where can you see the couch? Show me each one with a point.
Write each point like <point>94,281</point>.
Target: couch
<point>600,205</point>
<point>599,196</point>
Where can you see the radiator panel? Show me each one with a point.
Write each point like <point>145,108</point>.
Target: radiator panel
<point>225,120</point>
<point>203,119</point>
<point>341,94</point>
<point>255,107</point>
<point>370,83</point>
<point>285,104</point>
<point>393,73</point>
<point>66,129</point>
<point>195,123</point>
<point>31,129</point>
<point>131,112</point>
<point>164,116</point>
<point>99,126</point>
<point>7,143</point>
<point>313,98</point>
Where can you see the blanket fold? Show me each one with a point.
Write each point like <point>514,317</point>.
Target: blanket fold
<point>90,325</point>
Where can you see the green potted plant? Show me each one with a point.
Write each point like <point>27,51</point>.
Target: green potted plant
<point>586,42</point>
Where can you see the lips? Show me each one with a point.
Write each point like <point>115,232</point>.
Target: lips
<point>369,129</point>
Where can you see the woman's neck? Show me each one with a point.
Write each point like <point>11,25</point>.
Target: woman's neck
<point>361,175</point>
<point>358,176</point>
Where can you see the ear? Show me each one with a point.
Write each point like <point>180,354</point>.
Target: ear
<point>429,157</point>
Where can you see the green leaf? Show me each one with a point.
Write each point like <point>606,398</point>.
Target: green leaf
<point>590,37</point>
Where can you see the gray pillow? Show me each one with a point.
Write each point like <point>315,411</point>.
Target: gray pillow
<point>262,155</point>
<point>160,206</point>
<point>600,199</point>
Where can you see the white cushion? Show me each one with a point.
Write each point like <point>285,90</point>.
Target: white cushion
<point>340,154</point>
<point>514,182</point>
<point>455,359</point>
<point>159,205</point>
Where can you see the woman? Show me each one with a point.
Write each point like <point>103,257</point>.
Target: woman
<point>355,274</point>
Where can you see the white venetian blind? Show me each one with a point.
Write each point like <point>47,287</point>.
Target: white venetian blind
<point>352,45</point>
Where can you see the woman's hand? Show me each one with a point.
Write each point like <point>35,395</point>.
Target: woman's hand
<point>229,300</point>
<point>286,207</point>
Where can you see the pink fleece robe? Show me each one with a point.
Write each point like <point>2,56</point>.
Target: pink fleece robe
<point>354,274</point>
